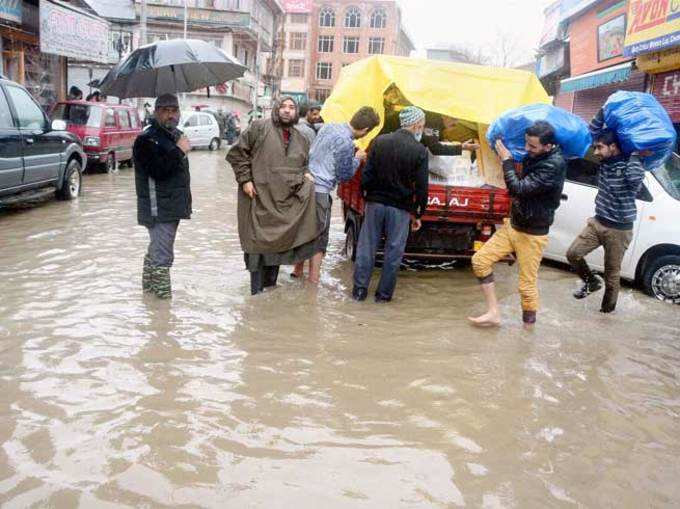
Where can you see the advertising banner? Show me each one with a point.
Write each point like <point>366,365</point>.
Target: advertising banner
<point>653,25</point>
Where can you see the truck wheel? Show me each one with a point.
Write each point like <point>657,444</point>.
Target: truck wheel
<point>662,278</point>
<point>351,241</point>
<point>110,164</point>
<point>73,177</point>
<point>214,144</point>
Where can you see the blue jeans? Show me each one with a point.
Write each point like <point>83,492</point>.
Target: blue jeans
<point>395,224</point>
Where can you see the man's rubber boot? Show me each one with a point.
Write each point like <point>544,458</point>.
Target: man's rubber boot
<point>591,283</point>
<point>529,317</point>
<point>147,275</point>
<point>256,282</point>
<point>270,276</point>
<point>608,302</point>
<point>162,287</point>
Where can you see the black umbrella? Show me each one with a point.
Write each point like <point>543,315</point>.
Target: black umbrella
<point>170,67</point>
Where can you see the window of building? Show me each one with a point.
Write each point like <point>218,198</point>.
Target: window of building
<point>376,45</point>
<point>327,17</point>
<point>298,41</point>
<point>379,19</point>
<point>352,18</point>
<point>298,19</point>
<point>351,45</point>
<point>326,43</point>
<point>321,94</point>
<point>324,71</point>
<point>296,68</point>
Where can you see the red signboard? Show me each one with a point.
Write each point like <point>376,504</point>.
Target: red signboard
<point>667,90</point>
<point>297,6</point>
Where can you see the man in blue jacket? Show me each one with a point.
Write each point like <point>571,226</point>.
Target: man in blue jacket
<point>619,181</point>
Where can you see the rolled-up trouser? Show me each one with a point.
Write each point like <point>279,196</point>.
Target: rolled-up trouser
<point>394,223</point>
<point>615,243</point>
<point>324,207</point>
<point>529,252</point>
<point>161,250</point>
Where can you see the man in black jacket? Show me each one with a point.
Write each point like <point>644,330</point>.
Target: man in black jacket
<point>394,183</point>
<point>536,194</point>
<point>163,191</point>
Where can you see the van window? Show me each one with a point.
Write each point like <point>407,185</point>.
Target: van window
<point>110,120</point>
<point>192,121</point>
<point>29,114</point>
<point>205,120</point>
<point>123,119</point>
<point>78,114</point>
<point>134,119</point>
<point>6,121</point>
<point>668,176</point>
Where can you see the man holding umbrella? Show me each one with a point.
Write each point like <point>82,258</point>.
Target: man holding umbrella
<point>163,191</point>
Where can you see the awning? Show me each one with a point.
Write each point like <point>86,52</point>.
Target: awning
<point>596,79</point>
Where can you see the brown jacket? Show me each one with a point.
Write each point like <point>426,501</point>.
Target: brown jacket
<point>283,214</point>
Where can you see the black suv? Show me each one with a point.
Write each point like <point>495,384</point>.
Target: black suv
<point>37,157</point>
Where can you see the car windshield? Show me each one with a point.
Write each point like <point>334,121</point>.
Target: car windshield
<point>79,114</point>
<point>668,176</point>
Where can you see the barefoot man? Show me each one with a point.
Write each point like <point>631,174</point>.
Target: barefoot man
<point>536,193</point>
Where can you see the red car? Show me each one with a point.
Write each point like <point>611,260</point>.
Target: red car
<point>108,131</point>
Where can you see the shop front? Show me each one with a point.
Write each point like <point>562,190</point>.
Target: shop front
<point>43,75</point>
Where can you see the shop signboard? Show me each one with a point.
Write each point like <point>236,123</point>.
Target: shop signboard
<point>73,33</point>
<point>653,25</point>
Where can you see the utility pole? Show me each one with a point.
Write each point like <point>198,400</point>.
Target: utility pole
<point>186,24</point>
<point>142,34</point>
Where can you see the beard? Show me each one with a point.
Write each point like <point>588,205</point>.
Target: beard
<point>286,122</point>
<point>171,123</point>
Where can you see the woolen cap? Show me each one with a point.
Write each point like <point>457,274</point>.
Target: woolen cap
<point>167,101</point>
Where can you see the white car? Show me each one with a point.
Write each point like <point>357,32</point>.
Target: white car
<point>201,128</point>
<point>653,258</point>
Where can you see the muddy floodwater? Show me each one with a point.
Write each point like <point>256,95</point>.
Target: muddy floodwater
<point>304,399</point>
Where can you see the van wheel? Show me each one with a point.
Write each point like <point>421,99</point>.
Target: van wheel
<point>214,144</point>
<point>110,164</point>
<point>662,278</point>
<point>73,178</point>
<point>351,241</point>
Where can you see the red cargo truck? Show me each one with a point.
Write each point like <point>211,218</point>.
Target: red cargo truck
<point>457,223</point>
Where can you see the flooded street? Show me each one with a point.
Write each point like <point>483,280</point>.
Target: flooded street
<point>305,399</point>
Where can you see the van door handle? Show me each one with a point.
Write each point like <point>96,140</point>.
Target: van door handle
<point>564,197</point>
<point>30,141</point>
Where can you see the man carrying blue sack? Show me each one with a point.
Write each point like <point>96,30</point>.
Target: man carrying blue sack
<point>536,194</point>
<point>619,181</point>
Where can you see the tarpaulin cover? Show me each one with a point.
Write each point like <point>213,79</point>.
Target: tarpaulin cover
<point>468,92</point>
<point>571,131</point>
<point>641,124</point>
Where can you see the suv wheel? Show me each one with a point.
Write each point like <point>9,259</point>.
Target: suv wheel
<point>214,144</point>
<point>662,278</point>
<point>73,177</point>
<point>351,240</point>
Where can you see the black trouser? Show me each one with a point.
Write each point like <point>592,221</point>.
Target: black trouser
<point>264,278</point>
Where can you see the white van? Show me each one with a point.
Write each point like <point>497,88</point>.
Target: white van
<point>653,258</point>
<point>201,128</point>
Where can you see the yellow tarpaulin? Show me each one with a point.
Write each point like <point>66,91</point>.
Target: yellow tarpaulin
<point>468,92</point>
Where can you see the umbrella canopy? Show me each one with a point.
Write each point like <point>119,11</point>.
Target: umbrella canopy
<point>170,67</point>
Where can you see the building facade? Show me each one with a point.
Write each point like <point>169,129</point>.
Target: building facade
<point>593,48</point>
<point>321,37</point>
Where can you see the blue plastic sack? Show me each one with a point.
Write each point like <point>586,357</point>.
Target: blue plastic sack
<point>571,131</point>
<point>641,124</point>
